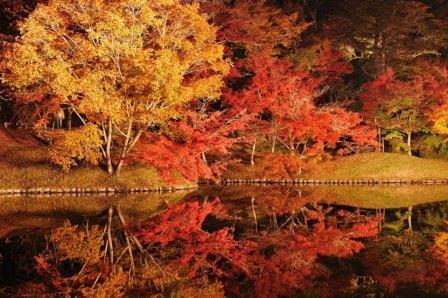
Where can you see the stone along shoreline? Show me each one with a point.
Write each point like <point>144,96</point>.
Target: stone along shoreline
<point>307,182</point>
<point>337,181</point>
<point>92,191</point>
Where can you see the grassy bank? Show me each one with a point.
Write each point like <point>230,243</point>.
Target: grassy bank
<point>24,164</point>
<point>375,165</point>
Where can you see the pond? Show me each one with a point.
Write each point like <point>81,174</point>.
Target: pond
<point>263,241</point>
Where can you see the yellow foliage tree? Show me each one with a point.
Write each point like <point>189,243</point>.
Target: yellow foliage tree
<point>79,144</point>
<point>121,65</point>
<point>441,125</point>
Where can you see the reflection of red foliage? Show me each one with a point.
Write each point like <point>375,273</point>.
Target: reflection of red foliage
<point>180,227</point>
<point>281,262</point>
<point>406,260</point>
<point>53,278</point>
<point>293,264</point>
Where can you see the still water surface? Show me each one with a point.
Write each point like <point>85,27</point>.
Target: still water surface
<point>400,261</point>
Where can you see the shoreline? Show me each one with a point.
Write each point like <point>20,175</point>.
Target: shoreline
<point>311,181</point>
<point>231,182</point>
<point>92,191</point>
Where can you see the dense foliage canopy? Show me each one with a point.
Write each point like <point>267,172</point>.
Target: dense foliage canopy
<point>187,86</point>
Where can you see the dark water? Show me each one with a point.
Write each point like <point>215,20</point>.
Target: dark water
<point>402,260</point>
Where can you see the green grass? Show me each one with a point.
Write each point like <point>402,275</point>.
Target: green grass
<point>376,165</point>
<point>24,164</point>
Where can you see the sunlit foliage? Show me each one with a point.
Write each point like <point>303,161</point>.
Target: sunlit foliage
<point>81,144</point>
<point>123,66</point>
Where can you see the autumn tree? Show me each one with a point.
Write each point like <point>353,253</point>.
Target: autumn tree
<point>404,106</point>
<point>275,88</point>
<point>283,99</point>
<point>255,25</point>
<point>197,146</point>
<point>277,82</point>
<point>122,65</point>
<point>240,25</point>
<point>381,34</point>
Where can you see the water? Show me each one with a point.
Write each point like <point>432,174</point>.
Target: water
<point>402,259</point>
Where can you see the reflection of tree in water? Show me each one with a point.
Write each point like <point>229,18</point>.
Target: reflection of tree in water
<point>179,254</point>
<point>267,199</point>
<point>406,264</point>
<point>194,248</point>
<point>410,258</point>
<point>16,257</point>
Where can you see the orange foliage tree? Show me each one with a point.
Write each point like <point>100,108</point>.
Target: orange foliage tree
<point>282,97</point>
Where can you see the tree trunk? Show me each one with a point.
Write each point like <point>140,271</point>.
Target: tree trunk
<point>409,143</point>
<point>69,118</point>
<point>410,218</point>
<point>376,40</point>
<point>118,168</point>
<point>384,53</point>
<point>380,139</point>
<point>382,58</point>
<point>110,168</point>
<point>124,150</point>
<point>303,150</point>
<point>254,214</point>
<point>273,144</point>
<point>204,158</point>
<point>127,147</point>
<point>254,146</point>
<point>110,215</point>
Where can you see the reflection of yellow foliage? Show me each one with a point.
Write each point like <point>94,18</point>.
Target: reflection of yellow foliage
<point>113,286</point>
<point>79,144</point>
<point>96,280</point>
<point>206,289</point>
<point>160,277</point>
<point>75,244</point>
<point>441,243</point>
